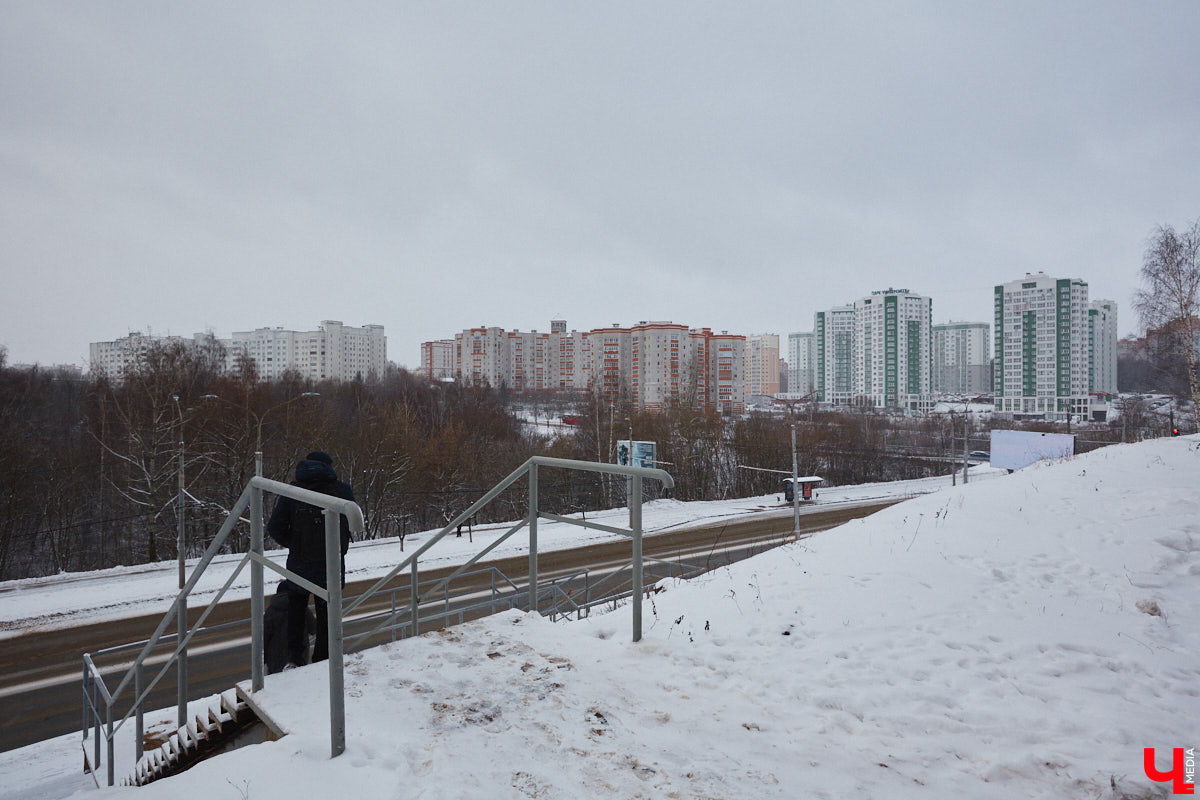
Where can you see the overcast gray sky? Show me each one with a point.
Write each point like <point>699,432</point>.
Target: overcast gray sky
<point>433,166</point>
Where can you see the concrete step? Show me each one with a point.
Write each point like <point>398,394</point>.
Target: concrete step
<point>208,733</point>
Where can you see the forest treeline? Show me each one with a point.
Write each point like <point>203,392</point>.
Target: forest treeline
<point>90,471</point>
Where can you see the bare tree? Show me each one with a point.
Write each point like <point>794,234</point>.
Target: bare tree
<point>1170,300</point>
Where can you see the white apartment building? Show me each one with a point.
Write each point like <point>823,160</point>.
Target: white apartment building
<point>659,363</point>
<point>1102,359</point>
<point>962,358</point>
<point>802,360</point>
<point>833,341</point>
<point>113,358</point>
<point>1042,346</point>
<point>481,356</point>
<point>574,359</point>
<point>892,340</point>
<point>611,361</point>
<point>762,364</point>
<point>332,352</point>
<point>438,359</point>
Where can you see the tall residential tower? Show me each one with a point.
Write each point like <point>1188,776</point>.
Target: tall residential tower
<point>1042,346</point>
<point>962,358</point>
<point>891,349</point>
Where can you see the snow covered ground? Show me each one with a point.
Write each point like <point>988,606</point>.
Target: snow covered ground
<point>1024,637</point>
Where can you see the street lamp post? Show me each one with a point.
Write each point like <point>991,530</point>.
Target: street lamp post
<point>181,610</point>
<point>795,489</point>
<point>258,456</point>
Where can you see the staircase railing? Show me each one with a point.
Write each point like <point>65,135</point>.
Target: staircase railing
<point>99,702</point>
<point>533,594</point>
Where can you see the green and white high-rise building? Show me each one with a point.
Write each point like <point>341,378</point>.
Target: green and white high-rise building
<point>833,341</point>
<point>892,341</point>
<point>1042,339</point>
<point>875,352</point>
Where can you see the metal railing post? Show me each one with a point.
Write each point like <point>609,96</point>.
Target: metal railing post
<point>181,664</point>
<point>83,722</point>
<point>333,612</point>
<point>414,600</point>
<point>635,525</point>
<point>533,518</point>
<point>181,688</point>
<point>112,769</point>
<point>137,692</point>
<point>256,590</point>
<point>96,723</point>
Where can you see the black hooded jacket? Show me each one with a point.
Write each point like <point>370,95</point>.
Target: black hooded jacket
<point>300,527</point>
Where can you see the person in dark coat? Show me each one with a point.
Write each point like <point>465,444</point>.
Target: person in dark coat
<point>300,528</point>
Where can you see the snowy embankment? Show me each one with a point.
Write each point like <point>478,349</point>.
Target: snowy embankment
<point>1015,638</point>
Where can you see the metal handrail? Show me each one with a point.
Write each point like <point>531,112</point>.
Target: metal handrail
<point>95,688</point>
<point>252,497</point>
<point>530,469</point>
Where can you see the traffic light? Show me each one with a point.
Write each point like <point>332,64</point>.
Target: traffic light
<point>1174,431</point>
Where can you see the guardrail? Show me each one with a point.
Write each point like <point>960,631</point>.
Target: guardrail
<point>99,702</point>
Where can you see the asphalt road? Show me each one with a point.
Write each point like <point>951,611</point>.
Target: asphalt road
<point>40,673</point>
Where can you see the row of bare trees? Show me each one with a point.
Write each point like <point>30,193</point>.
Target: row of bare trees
<point>91,469</point>
<point>90,476</point>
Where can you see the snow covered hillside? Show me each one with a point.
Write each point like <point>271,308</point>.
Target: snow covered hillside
<point>1024,637</point>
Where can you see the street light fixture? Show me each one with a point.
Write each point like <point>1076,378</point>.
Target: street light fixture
<point>259,419</point>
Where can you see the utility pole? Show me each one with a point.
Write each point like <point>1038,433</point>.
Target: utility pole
<point>966,447</point>
<point>795,490</point>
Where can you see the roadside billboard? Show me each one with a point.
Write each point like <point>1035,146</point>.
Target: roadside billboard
<point>1017,449</point>
<point>636,454</point>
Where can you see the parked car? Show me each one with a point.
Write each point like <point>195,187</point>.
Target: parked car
<point>980,454</point>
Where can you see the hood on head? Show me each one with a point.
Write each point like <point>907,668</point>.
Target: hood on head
<point>310,471</point>
<point>320,455</point>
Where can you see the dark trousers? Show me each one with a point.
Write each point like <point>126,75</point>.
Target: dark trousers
<point>296,629</point>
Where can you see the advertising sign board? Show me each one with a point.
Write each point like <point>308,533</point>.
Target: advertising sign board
<point>636,453</point>
<point>1017,449</point>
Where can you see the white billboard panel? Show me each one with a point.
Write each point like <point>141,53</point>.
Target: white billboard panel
<point>641,454</point>
<point>1017,449</point>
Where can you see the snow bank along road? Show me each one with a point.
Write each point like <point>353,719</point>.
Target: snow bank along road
<point>39,670</point>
